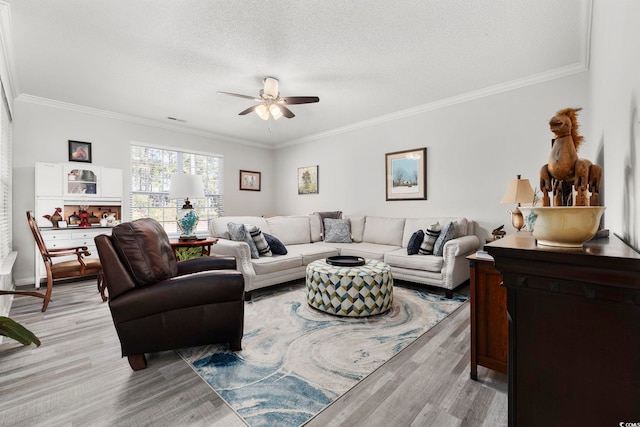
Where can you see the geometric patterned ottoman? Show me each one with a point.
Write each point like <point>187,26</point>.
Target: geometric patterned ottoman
<point>364,290</point>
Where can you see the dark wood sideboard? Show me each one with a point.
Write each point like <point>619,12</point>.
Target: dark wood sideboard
<point>489,326</point>
<point>574,331</point>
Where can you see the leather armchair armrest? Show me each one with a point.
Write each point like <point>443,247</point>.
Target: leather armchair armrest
<point>206,263</point>
<point>191,290</point>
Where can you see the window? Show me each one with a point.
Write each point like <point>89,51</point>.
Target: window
<point>5,178</point>
<point>151,170</point>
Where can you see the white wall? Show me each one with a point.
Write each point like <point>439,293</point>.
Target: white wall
<point>473,150</point>
<point>41,134</point>
<point>614,87</point>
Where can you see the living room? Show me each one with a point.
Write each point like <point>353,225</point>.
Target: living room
<point>476,142</point>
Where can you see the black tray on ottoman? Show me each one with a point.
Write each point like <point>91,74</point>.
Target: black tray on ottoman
<point>345,261</point>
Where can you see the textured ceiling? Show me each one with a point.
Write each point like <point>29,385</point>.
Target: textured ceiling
<point>151,59</point>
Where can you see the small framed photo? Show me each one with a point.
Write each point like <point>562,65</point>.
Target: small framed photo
<point>250,180</point>
<point>80,151</point>
<point>406,174</point>
<point>308,180</point>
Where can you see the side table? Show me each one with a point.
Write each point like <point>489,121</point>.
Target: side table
<point>205,244</point>
<point>489,322</point>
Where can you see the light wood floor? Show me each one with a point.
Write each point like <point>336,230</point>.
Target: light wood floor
<point>77,378</point>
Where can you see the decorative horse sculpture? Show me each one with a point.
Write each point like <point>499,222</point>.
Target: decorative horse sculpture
<point>565,171</point>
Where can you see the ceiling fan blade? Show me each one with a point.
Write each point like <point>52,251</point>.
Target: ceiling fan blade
<point>248,110</point>
<point>286,112</point>
<point>253,98</point>
<point>300,99</point>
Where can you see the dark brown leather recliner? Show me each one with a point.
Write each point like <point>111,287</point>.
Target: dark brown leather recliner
<point>160,304</point>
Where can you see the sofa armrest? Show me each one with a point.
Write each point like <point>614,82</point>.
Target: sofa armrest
<point>242,254</point>
<point>463,245</point>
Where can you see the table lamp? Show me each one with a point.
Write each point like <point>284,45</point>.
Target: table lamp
<point>185,186</point>
<point>519,191</point>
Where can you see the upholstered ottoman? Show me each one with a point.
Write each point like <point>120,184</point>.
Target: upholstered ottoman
<point>364,290</point>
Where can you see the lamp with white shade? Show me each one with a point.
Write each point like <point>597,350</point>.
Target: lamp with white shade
<point>519,191</point>
<point>185,186</point>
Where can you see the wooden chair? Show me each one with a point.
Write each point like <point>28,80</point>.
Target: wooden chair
<point>80,266</point>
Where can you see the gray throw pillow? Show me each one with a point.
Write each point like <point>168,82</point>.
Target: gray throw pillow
<point>337,230</point>
<point>239,233</point>
<point>448,232</point>
<point>323,215</point>
<point>430,238</point>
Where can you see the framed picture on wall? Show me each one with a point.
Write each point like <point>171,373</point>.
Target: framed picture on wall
<point>80,151</point>
<point>250,180</point>
<point>406,174</point>
<point>308,180</point>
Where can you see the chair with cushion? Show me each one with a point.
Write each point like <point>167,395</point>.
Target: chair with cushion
<point>160,304</point>
<point>77,267</point>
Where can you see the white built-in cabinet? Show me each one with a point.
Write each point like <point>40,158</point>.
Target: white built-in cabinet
<point>69,186</point>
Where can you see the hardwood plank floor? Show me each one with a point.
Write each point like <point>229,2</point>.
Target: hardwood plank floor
<point>77,378</point>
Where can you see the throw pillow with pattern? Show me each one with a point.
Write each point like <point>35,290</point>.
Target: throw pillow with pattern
<point>239,233</point>
<point>277,247</point>
<point>259,240</point>
<point>415,242</point>
<point>448,232</point>
<point>337,230</point>
<point>430,238</point>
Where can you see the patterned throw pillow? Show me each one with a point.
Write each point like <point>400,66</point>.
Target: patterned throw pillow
<point>430,238</point>
<point>277,247</point>
<point>337,230</point>
<point>238,233</point>
<point>448,232</point>
<point>259,240</point>
<point>323,215</point>
<point>414,242</point>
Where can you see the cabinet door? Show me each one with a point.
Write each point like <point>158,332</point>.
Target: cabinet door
<point>81,181</point>
<point>48,179</point>
<point>46,206</point>
<point>111,183</point>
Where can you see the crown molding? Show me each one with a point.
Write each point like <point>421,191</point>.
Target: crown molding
<point>447,102</point>
<point>579,67</point>
<point>52,103</point>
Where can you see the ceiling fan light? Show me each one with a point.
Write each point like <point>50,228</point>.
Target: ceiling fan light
<point>276,112</point>
<point>262,112</point>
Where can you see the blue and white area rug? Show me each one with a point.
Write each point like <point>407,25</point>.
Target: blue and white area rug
<point>296,360</point>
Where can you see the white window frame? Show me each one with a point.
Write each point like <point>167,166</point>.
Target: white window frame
<point>161,162</point>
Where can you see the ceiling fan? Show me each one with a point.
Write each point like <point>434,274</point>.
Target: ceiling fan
<point>270,102</point>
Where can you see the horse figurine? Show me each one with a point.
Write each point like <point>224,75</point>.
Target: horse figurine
<point>565,169</point>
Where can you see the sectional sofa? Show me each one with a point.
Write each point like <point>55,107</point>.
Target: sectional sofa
<point>379,238</point>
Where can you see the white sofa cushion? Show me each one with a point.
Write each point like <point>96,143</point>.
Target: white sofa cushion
<point>290,230</point>
<point>357,226</point>
<point>364,249</point>
<point>384,231</point>
<point>314,225</point>
<point>313,251</point>
<point>399,258</point>
<point>218,226</point>
<point>276,263</point>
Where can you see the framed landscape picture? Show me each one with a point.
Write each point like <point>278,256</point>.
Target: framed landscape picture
<point>308,180</point>
<point>406,174</point>
<point>250,180</point>
<point>79,151</point>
